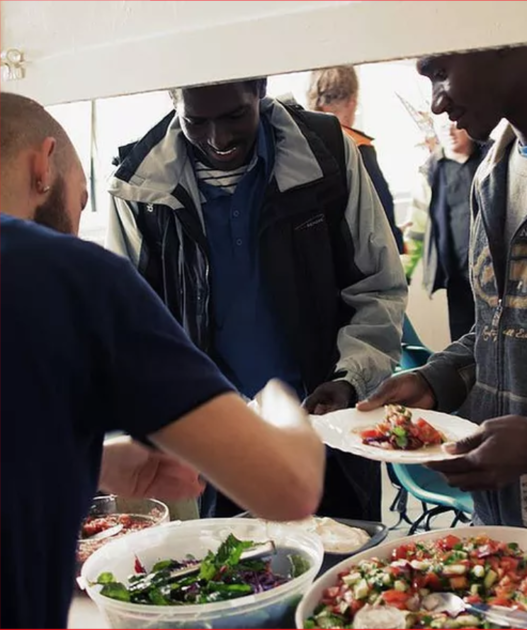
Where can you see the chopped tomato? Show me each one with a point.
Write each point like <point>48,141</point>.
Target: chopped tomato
<point>356,605</point>
<point>449,542</point>
<point>428,433</point>
<point>509,564</point>
<point>370,434</point>
<point>403,552</point>
<point>487,549</point>
<point>332,591</point>
<point>494,563</point>
<point>459,582</point>
<point>418,581</point>
<point>126,519</point>
<point>510,580</point>
<point>433,582</point>
<point>394,598</point>
<point>504,592</point>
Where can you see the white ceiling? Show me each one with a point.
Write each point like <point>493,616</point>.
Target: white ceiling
<point>77,50</point>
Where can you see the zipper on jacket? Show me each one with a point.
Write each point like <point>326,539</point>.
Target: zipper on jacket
<point>203,304</point>
<point>496,319</point>
<point>497,314</point>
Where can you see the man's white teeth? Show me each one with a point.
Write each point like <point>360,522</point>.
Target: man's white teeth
<point>225,152</point>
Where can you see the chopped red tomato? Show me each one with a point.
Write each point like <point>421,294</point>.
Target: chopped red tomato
<point>394,598</point>
<point>403,552</point>
<point>449,542</point>
<point>459,582</point>
<point>509,564</point>
<point>370,434</point>
<point>433,582</point>
<point>356,605</point>
<point>427,433</point>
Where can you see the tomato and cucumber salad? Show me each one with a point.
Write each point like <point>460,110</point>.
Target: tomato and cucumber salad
<point>399,432</point>
<point>478,569</point>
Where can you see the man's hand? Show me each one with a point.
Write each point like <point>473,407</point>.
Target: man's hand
<point>330,397</point>
<point>134,471</point>
<point>493,457</point>
<point>409,389</point>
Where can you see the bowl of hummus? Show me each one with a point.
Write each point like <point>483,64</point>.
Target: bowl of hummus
<point>340,538</point>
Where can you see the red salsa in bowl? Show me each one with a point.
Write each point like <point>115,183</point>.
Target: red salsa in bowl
<point>107,512</point>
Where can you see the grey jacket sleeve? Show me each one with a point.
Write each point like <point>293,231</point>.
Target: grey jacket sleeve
<point>452,373</point>
<point>123,236</point>
<point>370,344</point>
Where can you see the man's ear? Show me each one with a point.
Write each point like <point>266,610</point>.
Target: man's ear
<point>42,175</point>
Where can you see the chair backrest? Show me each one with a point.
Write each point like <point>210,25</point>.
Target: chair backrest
<point>414,353</point>
<point>410,336</point>
<point>429,486</point>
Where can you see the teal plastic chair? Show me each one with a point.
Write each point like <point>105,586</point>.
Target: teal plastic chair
<point>435,495</point>
<point>427,486</point>
<point>414,353</point>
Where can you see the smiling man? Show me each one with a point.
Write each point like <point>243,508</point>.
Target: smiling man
<point>483,374</point>
<point>258,226</point>
<point>88,349</point>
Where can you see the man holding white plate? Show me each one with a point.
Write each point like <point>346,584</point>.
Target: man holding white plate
<point>483,374</point>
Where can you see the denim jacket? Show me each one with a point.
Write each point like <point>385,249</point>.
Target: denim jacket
<point>484,374</point>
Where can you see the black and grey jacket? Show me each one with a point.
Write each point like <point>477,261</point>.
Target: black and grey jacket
<point>327,254</point>
<point>484,373</point>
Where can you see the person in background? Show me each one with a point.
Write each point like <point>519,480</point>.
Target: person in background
<point>482,375</point>
<point>88,348</point>
<point>258,226</point>
<point>438,226</point>
<point>336,91</point>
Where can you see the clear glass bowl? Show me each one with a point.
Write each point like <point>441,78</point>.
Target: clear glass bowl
<point>107,511</point>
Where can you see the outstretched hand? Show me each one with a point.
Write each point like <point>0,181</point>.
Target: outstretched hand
<point>409,389</point>
<point>135,471</point>
<point>491,458</point>
<point>330,396</point>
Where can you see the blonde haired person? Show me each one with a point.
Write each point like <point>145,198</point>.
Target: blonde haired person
<point>336,91</point>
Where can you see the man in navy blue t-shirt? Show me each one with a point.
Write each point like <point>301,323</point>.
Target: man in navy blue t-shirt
<point>87,348</point>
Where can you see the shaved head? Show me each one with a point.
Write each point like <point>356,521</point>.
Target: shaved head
<point>39,165</point>
<point>25,124</point>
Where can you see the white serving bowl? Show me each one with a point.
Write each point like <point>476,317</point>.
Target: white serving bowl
<point>313,596</point>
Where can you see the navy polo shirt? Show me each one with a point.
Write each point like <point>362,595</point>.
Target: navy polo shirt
<point>249,344</point>
<point>87,348</point>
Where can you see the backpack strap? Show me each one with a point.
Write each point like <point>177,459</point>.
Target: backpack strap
<point>327,127</point>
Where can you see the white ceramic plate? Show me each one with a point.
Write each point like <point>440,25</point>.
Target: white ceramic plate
<point>341,430</point>
<point>313,596</point>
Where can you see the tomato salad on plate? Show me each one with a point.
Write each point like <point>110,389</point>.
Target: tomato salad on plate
<point>478,569</point>
<point>399,432</point>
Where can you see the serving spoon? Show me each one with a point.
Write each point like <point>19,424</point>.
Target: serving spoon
<point>454,605</point>
<point>255,553</point>
<point>106,533</point>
